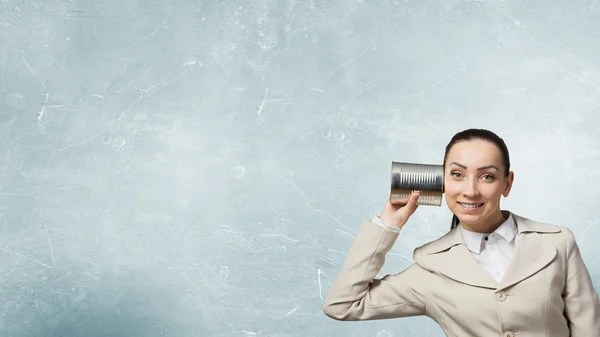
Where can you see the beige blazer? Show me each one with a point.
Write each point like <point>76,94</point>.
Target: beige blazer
<point>546,292</point>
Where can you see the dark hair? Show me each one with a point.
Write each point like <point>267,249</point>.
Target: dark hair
<point>478,134</point>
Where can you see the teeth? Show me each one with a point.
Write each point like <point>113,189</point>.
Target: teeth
<point>471,205</point>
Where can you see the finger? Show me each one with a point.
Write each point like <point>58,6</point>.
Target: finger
<point>413,198</point>
<point>412,206</point>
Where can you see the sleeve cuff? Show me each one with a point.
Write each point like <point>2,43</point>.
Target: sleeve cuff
<point>376,220</point>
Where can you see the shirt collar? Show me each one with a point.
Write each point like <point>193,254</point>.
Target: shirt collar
<point>473,240</point>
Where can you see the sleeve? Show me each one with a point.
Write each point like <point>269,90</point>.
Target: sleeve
<point>356,295</point>
<point>582,307</point>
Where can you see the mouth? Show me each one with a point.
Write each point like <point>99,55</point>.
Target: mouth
<point>471,206</point>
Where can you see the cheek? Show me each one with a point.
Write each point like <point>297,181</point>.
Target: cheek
<point>451,202</point>
<point>492,193</point>
<point>451,189</point>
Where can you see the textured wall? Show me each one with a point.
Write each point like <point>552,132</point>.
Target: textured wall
<point>180,168</point>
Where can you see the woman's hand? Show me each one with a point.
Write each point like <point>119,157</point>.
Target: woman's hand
<point>397,215</point>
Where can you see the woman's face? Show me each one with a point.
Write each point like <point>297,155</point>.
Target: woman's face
<point>474,182</point>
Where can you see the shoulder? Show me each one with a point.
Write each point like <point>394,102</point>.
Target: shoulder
<point>452,238</point>
<point>559,233</point>
<point>431,249</point>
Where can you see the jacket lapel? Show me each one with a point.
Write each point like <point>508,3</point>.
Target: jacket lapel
<point>532,252</point>
<point>449,256</point>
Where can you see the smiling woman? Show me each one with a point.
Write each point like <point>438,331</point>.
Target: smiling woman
<point>495,273</point>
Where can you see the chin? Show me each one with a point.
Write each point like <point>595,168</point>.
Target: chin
<point>470,217</point>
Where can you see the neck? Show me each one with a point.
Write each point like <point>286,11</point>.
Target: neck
<point>488,226</point>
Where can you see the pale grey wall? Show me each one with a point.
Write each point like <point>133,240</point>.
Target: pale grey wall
<point>179,168</point>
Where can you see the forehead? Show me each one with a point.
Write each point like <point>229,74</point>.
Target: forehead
<point>475,152</point>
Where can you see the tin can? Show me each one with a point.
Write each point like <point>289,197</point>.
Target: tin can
<point>427,178</point>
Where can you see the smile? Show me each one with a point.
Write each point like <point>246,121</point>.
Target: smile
<point>470,206</point>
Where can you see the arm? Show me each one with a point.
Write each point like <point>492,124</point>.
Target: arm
<point>356,295</point>
<point>582,307</point>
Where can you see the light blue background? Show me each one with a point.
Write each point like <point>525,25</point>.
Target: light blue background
<point>180,168</point>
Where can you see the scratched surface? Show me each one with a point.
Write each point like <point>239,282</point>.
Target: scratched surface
<point>199,168</point>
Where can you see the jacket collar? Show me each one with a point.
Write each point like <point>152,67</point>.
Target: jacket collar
<point>454,237</point>
<point>450,256</point>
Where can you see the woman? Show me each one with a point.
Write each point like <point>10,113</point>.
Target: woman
<point>495,273</point>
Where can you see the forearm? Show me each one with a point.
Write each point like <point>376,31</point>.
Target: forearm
<point>357,295</point>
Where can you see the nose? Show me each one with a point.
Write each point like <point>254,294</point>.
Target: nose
<point>471,190</point>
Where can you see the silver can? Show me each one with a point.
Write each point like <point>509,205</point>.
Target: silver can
<point>427,178</point>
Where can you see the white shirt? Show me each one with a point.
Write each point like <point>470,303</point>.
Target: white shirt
<point>494,254</point>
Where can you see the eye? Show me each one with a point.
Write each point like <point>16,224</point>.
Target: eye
<point>488,177</point>
<point>456,174</point>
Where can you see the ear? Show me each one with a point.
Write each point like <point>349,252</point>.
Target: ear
<point>509,181</point>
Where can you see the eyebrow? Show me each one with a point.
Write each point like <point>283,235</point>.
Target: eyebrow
<point>479,169</point>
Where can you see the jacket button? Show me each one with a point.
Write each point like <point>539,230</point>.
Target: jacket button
<point>501,297</point>
<point>508,334</point>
